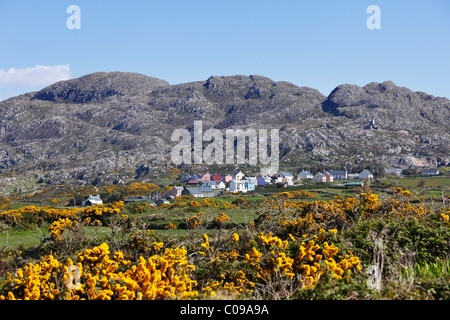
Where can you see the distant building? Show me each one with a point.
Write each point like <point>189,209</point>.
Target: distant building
<point>213,185</point>
<point>354,184</point>
<point>323,177</point>
<point>140,199</point>
<point>206,177</point>
<point>195,179</point>
<point>162,201</point>
<point>353,176</point>
<point>366,174</point>
<point>264,180</point>
<point>286,178</point>
<point>238,175</point>
<point>305,175</point>
<point>216,177</point>
<point>338,174</point>
<point>252,180</point>
<point>173,192</point>
<point>249,185</point>
<point>371,125</point>
<point>396,172</point>
<point>328,177</point>
<point>227,178</point>
<point>92,200</point>
<point>238,186</point>
<point>207,192</point>
<point>430,172</point>
<point>319,177</point>
<point>194,192</point>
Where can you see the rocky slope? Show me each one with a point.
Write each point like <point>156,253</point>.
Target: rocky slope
<point>110,127</point>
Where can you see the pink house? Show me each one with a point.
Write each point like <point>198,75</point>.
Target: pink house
<point>206,177</point>
<point>328,176</point>
<point>227,177</point>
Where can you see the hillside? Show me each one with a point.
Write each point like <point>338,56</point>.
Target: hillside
<point>110,127</point>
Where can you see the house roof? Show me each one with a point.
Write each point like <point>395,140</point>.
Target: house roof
<point>319,174</point>
<point>337,172</point>
<point>194,191</point>
<point>394,170</point>
<point>286,174</point>
<point>91,197</point>
<point>430,171</point>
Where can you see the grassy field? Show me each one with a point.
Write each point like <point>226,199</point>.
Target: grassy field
<point>408,215</point>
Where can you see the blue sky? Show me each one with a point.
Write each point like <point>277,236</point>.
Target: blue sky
<point>318,44</point>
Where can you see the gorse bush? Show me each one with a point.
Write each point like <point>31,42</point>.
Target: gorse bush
<point>294,249</point>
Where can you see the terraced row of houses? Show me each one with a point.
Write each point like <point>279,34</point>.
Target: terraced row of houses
<point>207,184</point>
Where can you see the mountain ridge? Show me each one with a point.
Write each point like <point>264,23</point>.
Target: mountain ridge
<point>108,127</point>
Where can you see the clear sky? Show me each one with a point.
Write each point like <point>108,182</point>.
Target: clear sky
<point>318,44</point>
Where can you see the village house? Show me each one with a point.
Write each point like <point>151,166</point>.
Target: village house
<point>353,176</point>
<point>252,180</point>
<point>216,177</point>
<point>305,175</point>
<point>227,178</point>
<point>206,177</point>
<point>162,201</point>
<point>207,192</point>
<point>319,177</point>
<point>366,174</point>
<point>215,185</point>
<point>249,185</point>
<point>328,177</point>
<point>92,200</point>
<point>264,180</point>
<point>323,177</point>
<point>338,174</point>
<point>237,186</point>
<point>195,179</point>
<point>394,171</point>
<point>140,199</point>
<point>430,172</point>
<point>286,178</point>
<point>194,192</point>
<point>173,192</point>
<point>238,175</point>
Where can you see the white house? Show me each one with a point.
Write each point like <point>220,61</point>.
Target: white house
<point>353,176</point>
<point>320,177</point>
<point>286,177</point>
<point>92,200</point>
<point>338,174</point>
<point>365,174</point>
<point>238,186</point>
<point>430,172</point>
<point>305,175</point>
<point>215,185</point>
<point>238,175</point>
<point>395,171</point>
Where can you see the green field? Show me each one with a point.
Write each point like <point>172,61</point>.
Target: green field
<point>413,226</point>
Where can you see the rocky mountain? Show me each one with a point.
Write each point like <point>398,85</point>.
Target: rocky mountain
<point>115,127</point>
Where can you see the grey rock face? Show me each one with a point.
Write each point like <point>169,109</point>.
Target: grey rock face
<point>110,127</point>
